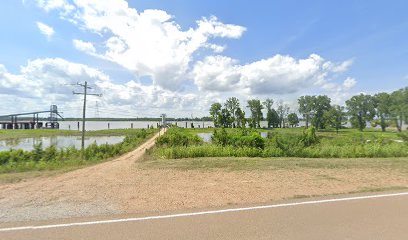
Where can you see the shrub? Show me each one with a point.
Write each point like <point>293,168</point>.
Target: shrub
<point>49,153</point>
<point>4,157</point>
<point>174,138</point>
<point>220,137</point>
<point>37,152</point>
<point>242,138</point>
<point>309,137</point>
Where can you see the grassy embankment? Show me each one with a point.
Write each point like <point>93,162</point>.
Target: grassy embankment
<point>283,149</point>
<point>296,142</point>
<point>51,158</point>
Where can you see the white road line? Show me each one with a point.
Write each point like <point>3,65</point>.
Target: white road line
<point>201,213</point>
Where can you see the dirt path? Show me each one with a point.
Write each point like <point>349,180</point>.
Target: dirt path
<point>86,191</point>
<point>125,186</point>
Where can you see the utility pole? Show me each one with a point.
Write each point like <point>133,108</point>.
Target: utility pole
<point>85,93</point>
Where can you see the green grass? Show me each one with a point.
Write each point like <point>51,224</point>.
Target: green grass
<point>348,143</point>
<point>249,164</point>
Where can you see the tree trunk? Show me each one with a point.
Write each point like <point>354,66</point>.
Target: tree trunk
<point>382,123</point>
<point>399,124</point>
<point>307,120</point>
<point>360,122</point>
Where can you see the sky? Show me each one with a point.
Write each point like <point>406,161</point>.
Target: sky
<point>177,57</point>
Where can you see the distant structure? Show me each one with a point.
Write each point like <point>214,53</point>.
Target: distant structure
<point>31,123</point>
<point>52,122</point>
<point>163,121</point>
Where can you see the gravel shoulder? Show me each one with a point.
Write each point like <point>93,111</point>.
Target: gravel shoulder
<point>126,185</point>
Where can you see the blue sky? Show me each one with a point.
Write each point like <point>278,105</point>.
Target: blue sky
<point>251,49</point>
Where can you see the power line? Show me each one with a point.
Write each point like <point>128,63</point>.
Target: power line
<point>85,93</point>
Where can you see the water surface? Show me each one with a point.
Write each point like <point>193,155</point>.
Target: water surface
<point>57,141</point>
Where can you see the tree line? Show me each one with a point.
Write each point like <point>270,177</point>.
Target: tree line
<point>381,109</point>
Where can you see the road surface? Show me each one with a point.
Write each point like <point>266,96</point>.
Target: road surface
<point>380,216</point>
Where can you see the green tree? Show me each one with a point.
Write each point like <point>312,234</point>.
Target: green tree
<point>275,118</point>
<point>335,117</point>
<point>306,107</point>
<point>255,107</point>
<point>293,119</point>
<point>321,104</point>
<point>232,104</point>
<point>269,114</point>
<point>383,107</point>
<point>282,110</point>
<point>399,107</point>
<point>215,112</point>
<point>361,108</point>
<point>225,118</point>
<point>240,118</point>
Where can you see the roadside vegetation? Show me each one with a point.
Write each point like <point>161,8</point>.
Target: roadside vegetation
<point>295,142</point>
<point>52,158</point>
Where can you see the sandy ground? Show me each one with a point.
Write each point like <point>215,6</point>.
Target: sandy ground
<point>122,186</point>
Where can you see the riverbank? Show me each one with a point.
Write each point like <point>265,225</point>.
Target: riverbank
<point>29,133</point>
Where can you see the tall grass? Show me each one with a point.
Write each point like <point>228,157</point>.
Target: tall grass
<point>367,151</point>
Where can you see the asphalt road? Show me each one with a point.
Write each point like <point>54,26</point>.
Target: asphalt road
<point>384,216</point>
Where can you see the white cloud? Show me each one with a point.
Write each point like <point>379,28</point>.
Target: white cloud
<point>216,48</point>
<point>349,83</point>
<point>86,47</point>
<point>43,82</point>
<point>339,68</point>
<point>148,43</point>
<point>217,73</point>
<point>340,92</point>
<point>45,29</point>
<point>49,5</point>
<point>275,75</point>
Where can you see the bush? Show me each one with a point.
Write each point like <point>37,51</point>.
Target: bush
<point>309,137</point>
<point>220,137</point>
<point>49,154</point>
<point>241,139</point>
<point>174,138</point>
<point>37,153</point>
